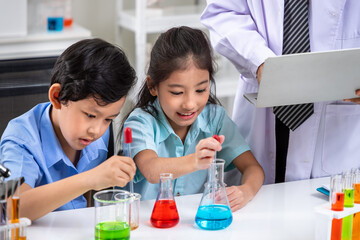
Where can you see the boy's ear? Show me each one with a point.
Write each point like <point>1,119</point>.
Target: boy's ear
<point>54,95</point>
<point>151,87</point>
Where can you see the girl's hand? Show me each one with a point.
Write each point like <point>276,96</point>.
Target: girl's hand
<point>205,151</point>
<point>115,171</point>
<point>238,197</point>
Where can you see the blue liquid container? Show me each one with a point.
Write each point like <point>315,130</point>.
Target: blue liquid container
<point>213,217</point>
<point>214,211</point>
<point>55,23</point>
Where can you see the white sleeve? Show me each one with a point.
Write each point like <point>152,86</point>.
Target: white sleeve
<point>234,34</point>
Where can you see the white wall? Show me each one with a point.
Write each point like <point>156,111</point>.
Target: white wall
<point>99,16</point>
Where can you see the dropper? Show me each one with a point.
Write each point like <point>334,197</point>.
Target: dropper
<point>213,171</point>
<point>217,138</point>
<point>128,140</point>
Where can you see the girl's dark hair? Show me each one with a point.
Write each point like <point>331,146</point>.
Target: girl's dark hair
<point>173,51</point>
<point>93,68</point>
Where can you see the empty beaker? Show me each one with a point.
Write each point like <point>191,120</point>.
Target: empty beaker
<point>214,212</point>
<point>112,215</point>
<point>134,210</point>
<point>165,214</point>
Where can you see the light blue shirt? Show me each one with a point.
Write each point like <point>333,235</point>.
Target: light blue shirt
<point>30,148</point>
<point>155,133</point>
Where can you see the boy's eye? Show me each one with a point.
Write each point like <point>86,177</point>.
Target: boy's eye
<point>176,93</point>
<point>90,115</point>
<point>109,120</point>
<point>201,90</point>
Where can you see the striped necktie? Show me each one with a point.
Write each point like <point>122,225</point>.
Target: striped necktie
<point>296,40</point>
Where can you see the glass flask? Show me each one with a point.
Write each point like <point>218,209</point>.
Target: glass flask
<point>165,214</point>
<point>214,212</point>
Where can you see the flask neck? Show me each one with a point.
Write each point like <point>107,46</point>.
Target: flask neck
<point>216,171</point>
<point>165,190</point>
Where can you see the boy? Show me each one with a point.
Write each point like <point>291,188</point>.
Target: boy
<point>60,147</point>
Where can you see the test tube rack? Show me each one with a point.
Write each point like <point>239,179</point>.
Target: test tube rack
<point>5,230</point>
<point>324,217</point>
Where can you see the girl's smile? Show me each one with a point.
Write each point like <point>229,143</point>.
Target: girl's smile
<point>186,116</point>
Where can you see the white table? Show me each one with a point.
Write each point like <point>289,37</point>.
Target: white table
<point>279,211</point>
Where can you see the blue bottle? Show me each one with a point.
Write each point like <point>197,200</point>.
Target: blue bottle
<point>214,212</point>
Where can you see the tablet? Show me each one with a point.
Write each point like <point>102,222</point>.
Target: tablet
<point>308,77</point>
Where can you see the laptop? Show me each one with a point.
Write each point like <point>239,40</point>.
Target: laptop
<point>308,77</point>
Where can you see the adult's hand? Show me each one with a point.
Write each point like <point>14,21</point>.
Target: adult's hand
<point>259,72</point>
<point>354,100</point>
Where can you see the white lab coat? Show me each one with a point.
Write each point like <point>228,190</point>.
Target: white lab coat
<point>248,32</point>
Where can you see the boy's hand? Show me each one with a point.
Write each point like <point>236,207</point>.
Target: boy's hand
<point>238,197</point>
<point>115,171</point>
<point>205,151</point>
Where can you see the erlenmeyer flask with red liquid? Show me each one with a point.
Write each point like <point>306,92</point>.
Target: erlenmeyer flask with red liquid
<point>165,214</point>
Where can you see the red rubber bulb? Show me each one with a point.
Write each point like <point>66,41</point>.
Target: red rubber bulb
<point>216,137</point>
<point>128,135</point>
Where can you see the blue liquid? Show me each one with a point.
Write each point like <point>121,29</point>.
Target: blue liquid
<point>213,217</point>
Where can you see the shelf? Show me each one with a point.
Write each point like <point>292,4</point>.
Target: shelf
<point>226,83</point>
<point>41,44</point>
<point>159,20</point>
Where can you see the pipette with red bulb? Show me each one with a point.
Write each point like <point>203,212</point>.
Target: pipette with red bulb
<point>213,170</point>
<point>128,140</point>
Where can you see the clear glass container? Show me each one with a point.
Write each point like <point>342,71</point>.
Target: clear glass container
<point>165,214</point>
<point>112,215</point>
<point>214,212</point>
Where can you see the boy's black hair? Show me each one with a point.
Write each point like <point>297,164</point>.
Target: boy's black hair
<point>93,68</point>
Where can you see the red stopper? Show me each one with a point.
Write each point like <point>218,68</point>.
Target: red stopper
<point>216,137</point>
<point>128,135</point>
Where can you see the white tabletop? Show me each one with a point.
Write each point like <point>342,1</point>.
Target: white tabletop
<point>278,211</point>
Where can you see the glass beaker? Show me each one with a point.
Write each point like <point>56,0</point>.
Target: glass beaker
<point>134,210</point>
<point>214,212</point>
<point>112,215</point>
<point>165,214</point>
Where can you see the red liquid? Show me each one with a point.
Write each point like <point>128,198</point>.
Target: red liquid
<point>338,202</point>
<point>68,22</point>
<point>165,214</point>
<point>336,228</point>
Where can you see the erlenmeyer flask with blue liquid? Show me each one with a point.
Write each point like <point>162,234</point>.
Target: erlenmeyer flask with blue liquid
<point>214,212</point>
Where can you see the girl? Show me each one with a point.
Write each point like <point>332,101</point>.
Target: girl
<point>177,115</point>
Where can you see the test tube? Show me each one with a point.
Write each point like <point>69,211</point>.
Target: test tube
<point>346,233</point>
<point>356,219</point>
<point>15,203</point>
<point>336,198</point>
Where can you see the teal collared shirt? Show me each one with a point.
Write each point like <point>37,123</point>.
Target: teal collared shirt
<point>29,148</point>
<point>153,132</point>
